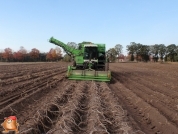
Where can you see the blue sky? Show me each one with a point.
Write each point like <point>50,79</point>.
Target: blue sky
<point>31,23</point>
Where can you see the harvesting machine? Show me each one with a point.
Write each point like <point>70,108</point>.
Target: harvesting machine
<point>90,61</point>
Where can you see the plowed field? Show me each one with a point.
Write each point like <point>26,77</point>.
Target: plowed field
<point>141,98</point>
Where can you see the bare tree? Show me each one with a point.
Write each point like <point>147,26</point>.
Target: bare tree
<point>118,49</point>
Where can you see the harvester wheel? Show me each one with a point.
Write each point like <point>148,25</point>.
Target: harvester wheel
<point>95,66</point>
<point>84,65</point>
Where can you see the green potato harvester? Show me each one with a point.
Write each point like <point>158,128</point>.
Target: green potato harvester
<point>90,61</point>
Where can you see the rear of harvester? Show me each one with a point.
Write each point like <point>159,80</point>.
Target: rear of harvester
<point>93,65</point>
<point>88,75</point>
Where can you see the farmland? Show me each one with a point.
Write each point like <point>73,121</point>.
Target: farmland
<point>141,98</point>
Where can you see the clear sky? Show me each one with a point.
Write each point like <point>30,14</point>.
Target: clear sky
<point>30,23</point>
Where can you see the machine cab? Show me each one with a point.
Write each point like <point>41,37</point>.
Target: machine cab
<point>90,52</point>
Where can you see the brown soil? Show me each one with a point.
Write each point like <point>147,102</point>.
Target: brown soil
<point>141,98</point>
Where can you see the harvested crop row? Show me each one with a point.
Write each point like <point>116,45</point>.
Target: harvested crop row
<point>95,116</point>
<point>46,117</point>
<point>158,92</point>
<point>145,113</point>
<point>18,105</point>
<point>148,96</point>
<point>16,93</point>
<point>160,88</point>
<point>114,114</point>
<point>165,79</point>
<point>73,118</point>
<point>31,82</point>
<point>18,71</point>
<point>79,111</point>
<point>28,77</point>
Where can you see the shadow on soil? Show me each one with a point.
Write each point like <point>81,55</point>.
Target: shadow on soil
<point>122,77</point>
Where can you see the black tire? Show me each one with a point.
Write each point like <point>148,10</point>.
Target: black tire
<point>85,65</point>
<point>95,66</point>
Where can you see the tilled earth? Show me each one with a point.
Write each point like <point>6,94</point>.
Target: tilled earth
<point>141,98</point>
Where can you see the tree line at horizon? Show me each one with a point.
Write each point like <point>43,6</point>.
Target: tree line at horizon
<point>136,51</point>
<point>142,52</point>
<point>8,55</point>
